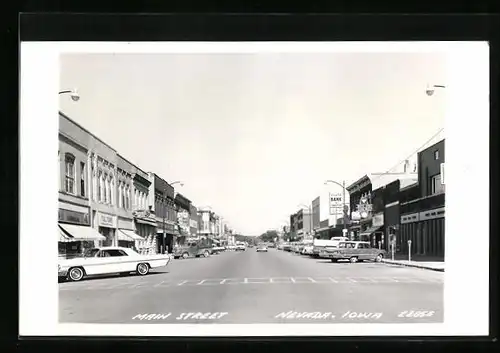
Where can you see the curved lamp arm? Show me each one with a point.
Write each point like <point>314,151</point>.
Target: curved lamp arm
<point>335,182</point>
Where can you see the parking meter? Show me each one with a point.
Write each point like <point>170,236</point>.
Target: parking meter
<point>409,250</point>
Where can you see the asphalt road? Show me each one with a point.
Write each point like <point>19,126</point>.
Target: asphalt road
<point>250,287</point>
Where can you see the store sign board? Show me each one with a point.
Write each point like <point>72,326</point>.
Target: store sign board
<point>74,217</point>
<point>106,220</point>
<point>378,220</point>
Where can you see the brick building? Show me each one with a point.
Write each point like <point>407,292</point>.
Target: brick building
<point>422,217</point>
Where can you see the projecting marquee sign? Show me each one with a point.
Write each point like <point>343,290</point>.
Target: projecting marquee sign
<point>364,207</point>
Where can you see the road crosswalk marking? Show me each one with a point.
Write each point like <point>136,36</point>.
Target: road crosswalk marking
<point>202,282</point>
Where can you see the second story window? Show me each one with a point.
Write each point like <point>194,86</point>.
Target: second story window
<point>436,185</point>
<point>82,179</point>
<point>123,196</point>
<point>69,162</point>
<point>436,155</point>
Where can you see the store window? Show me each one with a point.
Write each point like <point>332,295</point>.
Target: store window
<point>69,162</point>
<point>436,185</point>
<point>82,179</point>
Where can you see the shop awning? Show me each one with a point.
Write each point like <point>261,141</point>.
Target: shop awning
<point>370,230</point>
<point>79,233</point>
<point>128,235</point>
<point>63,237</point>
<point>146,221</point>
<point>173,232</point>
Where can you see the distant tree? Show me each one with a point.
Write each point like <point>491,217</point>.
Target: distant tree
<point>269,236</point>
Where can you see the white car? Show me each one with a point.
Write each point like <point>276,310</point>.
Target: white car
<point>110,259</point>
<point>308,249</point>
<point>261,248</point>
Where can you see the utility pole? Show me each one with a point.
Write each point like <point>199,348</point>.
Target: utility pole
<point>164,225</point>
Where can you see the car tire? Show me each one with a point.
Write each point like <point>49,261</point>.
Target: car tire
<point>334,260</point>
<point>185,255</point>
<point>75,274</point>
<point>353,259</point>
<point>379,258</point>
<point>142,269</point>
<point>206,254</point>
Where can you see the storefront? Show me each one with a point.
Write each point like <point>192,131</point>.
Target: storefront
<point>166,238</point>
<point>106,225</point>
<point>145,226</point>
<point>126,235</point>
<point>75,233</point>
<point>374,231</point>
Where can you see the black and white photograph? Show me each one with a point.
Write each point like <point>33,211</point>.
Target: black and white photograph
<point>219,186</point>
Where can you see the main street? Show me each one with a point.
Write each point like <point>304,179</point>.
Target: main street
<point>251,287</point>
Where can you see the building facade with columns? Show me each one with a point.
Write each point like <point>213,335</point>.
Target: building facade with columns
<point>126,234</point>
<point>74,213</point>
<point>183,208</point>
<point>161,200</point>
<point>193,221</point>
<point>144,220</point>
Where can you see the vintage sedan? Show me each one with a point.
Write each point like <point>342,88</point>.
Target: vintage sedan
<point>109,260</point>
<point>353,251</point>
<point>262,248</point>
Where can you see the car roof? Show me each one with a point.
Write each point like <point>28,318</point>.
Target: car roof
<point>110,248</point>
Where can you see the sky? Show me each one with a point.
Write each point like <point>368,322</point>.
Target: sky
<point>253,136</point>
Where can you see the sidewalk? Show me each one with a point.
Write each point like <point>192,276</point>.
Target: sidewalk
<point>424,262</point>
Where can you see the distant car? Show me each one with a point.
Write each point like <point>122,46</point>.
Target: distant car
<point>353,251</point>
<point>109,260</point>
<point>272,245</point>
<point>241,247</point>
<point>195,249</point>
<point>262,248</point>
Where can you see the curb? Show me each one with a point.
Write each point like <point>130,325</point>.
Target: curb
<point>416,266</point>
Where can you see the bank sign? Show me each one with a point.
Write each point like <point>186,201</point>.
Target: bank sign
<point>336,204</point>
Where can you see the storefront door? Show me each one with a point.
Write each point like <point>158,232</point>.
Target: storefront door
<point>108,234</point>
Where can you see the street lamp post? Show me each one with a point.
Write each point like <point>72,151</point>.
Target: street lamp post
<point>343,200</point>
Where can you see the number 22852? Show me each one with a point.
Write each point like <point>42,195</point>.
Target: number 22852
<point>412,313</point>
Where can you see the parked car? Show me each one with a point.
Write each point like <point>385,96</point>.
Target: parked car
<point>261,248</point>
<point>193,249</point>
<point>321,244</point>
<point>109,260</point>
<point>307,249</point>
<point>353,251</point>
<point>217,249</point>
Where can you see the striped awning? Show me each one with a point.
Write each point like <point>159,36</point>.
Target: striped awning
<point>128,235</point>
<point>73,232</point>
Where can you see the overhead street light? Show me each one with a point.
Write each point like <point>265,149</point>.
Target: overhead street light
<point>431,89</point>
<point>73,93</point>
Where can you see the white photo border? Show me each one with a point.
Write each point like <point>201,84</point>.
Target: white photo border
<point>466,289</point>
